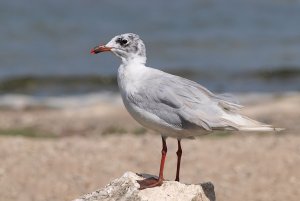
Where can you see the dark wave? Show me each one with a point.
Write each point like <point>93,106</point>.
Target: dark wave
<point>279,73</point>
<point>45,85</point>
<point>74,84</point>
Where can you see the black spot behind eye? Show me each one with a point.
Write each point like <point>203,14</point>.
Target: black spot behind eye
<point>122,41</point>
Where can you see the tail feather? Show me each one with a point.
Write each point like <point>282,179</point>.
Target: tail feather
<point>244,123</point>
<point>262,128</point>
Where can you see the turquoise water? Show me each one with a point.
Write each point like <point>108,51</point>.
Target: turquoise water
<point>225,45</point>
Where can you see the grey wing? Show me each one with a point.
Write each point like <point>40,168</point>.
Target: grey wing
<point>182,103</point>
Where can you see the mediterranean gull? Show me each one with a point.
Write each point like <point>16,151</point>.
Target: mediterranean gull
<point>171,105</point>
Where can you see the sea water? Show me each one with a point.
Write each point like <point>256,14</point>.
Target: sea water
<point>227,46</point>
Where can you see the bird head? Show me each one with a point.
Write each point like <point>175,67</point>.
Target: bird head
<point>129,47</point>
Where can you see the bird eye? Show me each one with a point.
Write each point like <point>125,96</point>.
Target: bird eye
<point>122,41</point>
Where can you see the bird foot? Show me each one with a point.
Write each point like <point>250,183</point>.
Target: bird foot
<point>150,183</point>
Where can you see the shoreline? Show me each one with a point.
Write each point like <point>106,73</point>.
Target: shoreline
<point>21,101</point>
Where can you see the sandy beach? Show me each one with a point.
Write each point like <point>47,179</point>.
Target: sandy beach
<point>59,153</point>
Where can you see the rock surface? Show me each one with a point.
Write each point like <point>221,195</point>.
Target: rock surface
<point>126,188</point>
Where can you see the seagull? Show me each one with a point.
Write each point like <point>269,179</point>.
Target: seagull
<point>171,105</point>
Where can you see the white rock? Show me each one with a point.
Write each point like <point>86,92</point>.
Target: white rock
<point>126,187</point>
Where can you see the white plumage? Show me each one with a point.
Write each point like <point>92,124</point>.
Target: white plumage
<point>169,104</point>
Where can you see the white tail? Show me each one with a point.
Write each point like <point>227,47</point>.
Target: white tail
<point>244,123</point>
<point>262,128</point>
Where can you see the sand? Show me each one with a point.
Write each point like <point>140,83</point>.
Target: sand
<point>81,159</point>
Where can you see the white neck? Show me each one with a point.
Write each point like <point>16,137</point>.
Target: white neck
<point>130,73</point>
<point>134,60</point>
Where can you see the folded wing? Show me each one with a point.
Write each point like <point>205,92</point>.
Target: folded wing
<point>186,105</point>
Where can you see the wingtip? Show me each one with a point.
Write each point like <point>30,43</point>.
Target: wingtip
<point>279,129</point>
<point>263,128</point>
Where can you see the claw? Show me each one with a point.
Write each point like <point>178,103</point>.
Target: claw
<point>150,183</point>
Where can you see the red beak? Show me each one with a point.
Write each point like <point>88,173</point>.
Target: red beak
<point>100,48</point>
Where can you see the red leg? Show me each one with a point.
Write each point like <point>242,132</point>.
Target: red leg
<point>179,153</point>
<point>153,182</point>
<point>163,158</point>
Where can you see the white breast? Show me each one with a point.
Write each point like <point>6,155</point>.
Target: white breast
<point>130,78</point>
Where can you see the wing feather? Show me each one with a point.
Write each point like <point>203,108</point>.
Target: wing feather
<point>184,104</point>
<point>181,103</point>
